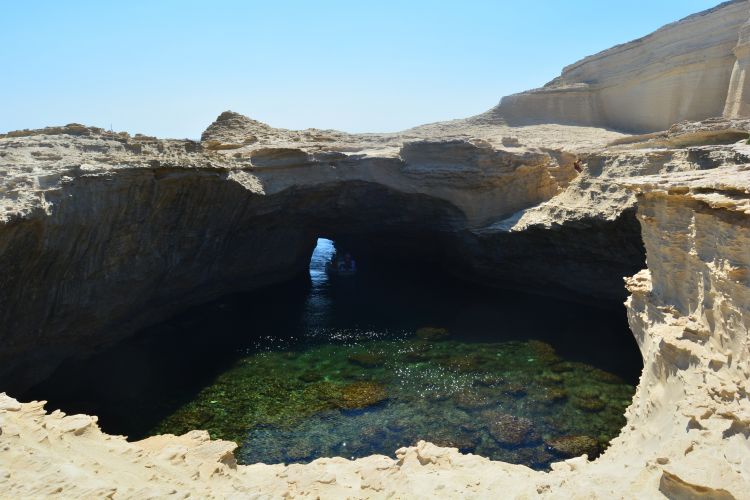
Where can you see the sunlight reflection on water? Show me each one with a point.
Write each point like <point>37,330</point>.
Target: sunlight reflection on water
<point>318,300</point>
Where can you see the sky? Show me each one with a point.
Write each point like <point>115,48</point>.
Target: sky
<point>168,68</point>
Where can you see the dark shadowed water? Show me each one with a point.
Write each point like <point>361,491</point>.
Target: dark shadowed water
<point>363,364</point>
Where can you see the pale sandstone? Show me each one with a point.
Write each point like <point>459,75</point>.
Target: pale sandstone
<point>102,233</point>
<point>687,434</point>
<point>692,69</point>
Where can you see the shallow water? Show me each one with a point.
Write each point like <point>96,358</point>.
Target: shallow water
<point>334,367</point>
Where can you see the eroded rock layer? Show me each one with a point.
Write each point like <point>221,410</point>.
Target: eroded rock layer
<point>693,69</point>
<point>102,234</point>
<point>687,434</point>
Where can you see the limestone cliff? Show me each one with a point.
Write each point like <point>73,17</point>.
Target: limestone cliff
<point>688,430</point>
<point>102,234</point>
<point>693,69</point>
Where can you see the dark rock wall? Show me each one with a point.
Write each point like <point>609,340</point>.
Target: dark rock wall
<point>117,253</point>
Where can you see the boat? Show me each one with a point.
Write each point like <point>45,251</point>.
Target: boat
<point>339,266</point>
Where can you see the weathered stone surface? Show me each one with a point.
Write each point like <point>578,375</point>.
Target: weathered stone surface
<point>102,233</point>
<point>686,432</point>
<point>692,69</point>
<point>91,222</point>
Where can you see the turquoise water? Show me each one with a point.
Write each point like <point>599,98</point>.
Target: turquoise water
<point>351,366</point>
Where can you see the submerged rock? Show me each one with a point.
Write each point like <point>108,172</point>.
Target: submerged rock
<point>416,352</point>
<point>373,433</point>
<point>300,450</point>
<point>543,351</point>
<point>534,456</point>
<point>362,395</point>
<point>438,394</point>
<point>554,395</point>
<point>586,391</point>
<point>416,357</point>
<point>564,366</point>
<point>398,424</point>
<point>588,399</point>
<point>589,404</point>
<point>574,446</point>
<point>471,425</point>
<point>463,441</point>
<point>488,380</point>
<point>514,389</point>
<point>472,400</point>
<point>509,430</point>
<point>367,359</point>
<point>310,376</point>
<point>606,377</point>
<point>551,378</point>
<point>432,333</point>
<point>462,363</point>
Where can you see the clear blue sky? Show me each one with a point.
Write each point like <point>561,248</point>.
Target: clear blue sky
<point>168,68</point>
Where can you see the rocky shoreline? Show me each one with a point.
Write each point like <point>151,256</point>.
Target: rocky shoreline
<point>103,233</point>
<point>687,429</point>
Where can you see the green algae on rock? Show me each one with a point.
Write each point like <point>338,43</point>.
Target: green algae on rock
<point>362,394</point>
<point>505,400</point>
<point>573,446</point>
<point>367,359</point>
<point>509,430</point>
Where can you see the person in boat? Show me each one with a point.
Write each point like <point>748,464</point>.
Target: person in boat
<point>342,265</point>
<point>349,264</point>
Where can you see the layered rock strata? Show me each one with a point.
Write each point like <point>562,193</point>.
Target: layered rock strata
<point>688,430</point>
<point>692,69</point>
<point>102,234</point>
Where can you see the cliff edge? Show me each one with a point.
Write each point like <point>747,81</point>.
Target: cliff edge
<point>688,430</point>
<point>692,69</point>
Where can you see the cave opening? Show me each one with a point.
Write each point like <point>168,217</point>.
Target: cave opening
<point>401,350</point>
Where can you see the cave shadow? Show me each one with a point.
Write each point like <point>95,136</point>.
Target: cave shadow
<point>408,247</point>
<point>142,380</point>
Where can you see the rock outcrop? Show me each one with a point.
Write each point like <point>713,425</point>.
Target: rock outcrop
<point>693,69</point>
<point>688,429</point>
<point>101,233</point>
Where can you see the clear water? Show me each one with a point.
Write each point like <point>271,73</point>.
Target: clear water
<point>342,366</point>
